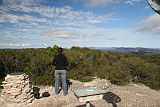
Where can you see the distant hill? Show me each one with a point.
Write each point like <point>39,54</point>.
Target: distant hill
<point>138,50</point>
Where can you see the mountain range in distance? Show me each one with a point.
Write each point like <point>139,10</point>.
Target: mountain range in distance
<point>136,50</point>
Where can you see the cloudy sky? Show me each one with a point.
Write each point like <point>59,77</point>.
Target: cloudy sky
<point>84,23</point>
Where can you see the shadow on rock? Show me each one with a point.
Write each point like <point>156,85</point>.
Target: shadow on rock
<point>1,87</point>
<point>38,95</point>
<point>112,98</point>
<point>69,83</point>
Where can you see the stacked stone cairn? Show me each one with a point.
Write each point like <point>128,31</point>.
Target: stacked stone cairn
<point>17,89</point>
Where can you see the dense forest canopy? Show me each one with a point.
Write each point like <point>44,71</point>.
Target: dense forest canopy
<point>84,64</point>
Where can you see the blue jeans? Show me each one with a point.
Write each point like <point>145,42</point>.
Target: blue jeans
<point>61,73</point>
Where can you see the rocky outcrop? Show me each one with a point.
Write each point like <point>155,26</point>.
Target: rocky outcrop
<point>17,89</point>
<point>131,95</point>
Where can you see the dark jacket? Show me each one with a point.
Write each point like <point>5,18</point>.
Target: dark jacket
<point>60,61</point>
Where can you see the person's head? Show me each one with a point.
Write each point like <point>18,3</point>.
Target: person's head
<point>60,50</point>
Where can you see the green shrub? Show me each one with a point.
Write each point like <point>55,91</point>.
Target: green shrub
<point>84,64</point>
<point>119,77</point>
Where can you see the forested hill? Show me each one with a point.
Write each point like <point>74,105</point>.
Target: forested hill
<point>137,50</point>
<point>85,63</point>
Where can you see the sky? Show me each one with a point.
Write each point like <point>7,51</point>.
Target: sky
<point>83,23</point>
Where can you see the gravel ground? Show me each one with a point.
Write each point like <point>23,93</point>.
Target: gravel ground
<point>131,95</point>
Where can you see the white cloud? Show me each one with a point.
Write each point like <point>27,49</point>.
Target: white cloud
<point>94,21</point>
<point>11,18</point>
<point>131,2</point>
<point>17,29</point>
<point>99,35</point>
<point>64,16</point>
<point>58,33</point>
<point>147,7</point>
<point>80,35</point>
<point>31,19</point>
<point>4,40</point>
<point>18,5</point>
<point>150,24</point>
<point>96,3</point>
<point>17,45</point>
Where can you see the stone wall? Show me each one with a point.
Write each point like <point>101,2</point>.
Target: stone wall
<point>17,89</point>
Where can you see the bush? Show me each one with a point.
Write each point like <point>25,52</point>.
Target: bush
<point>84,64</point>
<point>119,77</point>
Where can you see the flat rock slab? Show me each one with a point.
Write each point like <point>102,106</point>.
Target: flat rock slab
<point>84,95</point>
<point>84,92</point>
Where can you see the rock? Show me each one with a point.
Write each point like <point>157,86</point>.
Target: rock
<point>30,100</point>
<point>16,90</point>
<point>11,90</point>
<point>15,94</point>
<point>4,93</point>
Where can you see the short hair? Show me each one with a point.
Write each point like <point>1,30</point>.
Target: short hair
<point>60,50</point>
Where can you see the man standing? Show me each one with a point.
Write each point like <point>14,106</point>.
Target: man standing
<point>60,61</point>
